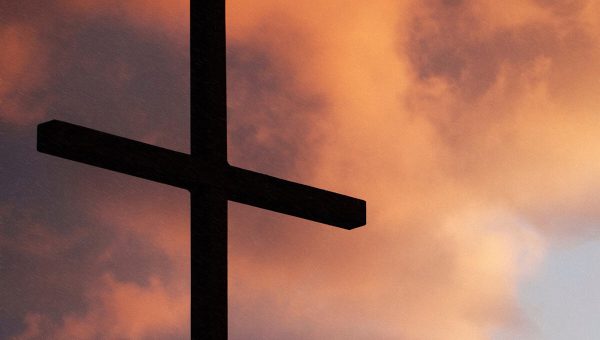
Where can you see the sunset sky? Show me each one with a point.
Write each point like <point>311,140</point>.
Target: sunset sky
<point>471,128</point>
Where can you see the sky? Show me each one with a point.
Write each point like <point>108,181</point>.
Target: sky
<point>469,127</point>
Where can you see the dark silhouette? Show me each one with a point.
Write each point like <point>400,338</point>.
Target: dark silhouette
<point>205,173</point>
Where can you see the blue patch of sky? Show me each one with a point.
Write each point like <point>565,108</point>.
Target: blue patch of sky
<point>562,301</point>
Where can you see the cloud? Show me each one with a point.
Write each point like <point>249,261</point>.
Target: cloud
<point>127,310</point>
<point>469,127</point>
<point>519,94</point>
<point>32,67</point>
<point>70,275</point>
<point>33,327</point>
<point>168,17</point>
<point>458,123</point>
<point>134,283</point>
<point>119,310</point>
<point>21,72</point>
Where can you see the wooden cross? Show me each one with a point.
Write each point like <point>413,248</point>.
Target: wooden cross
<point>205,172</point>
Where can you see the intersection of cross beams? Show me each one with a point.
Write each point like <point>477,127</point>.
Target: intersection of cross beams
<point>204,172</point>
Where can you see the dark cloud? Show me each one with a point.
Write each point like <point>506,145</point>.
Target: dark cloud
<point>482,69</point>
<point>124,82</point>
<point>563,8</point>
<point>272,121</point>
<point>454,44</point>
<point>103,74</point>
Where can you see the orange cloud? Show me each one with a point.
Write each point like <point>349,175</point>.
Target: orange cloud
<point>119,309</point>
<point>22,66</point>
<point>469,127</point>
<point>127,310</point>
<point>138,306</point>
<point>461,124</point>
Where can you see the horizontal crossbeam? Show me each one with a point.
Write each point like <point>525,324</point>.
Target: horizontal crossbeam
<point>290,198</point>
<point>84,145</point>
<point>178,169</point>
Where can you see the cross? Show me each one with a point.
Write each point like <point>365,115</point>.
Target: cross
<point>205,172</point>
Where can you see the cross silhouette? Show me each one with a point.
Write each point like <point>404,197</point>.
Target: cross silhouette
<point>205,172</point>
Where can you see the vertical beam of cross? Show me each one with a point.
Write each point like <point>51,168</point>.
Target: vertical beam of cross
<point>208,138</point>
<point>205,172</point>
